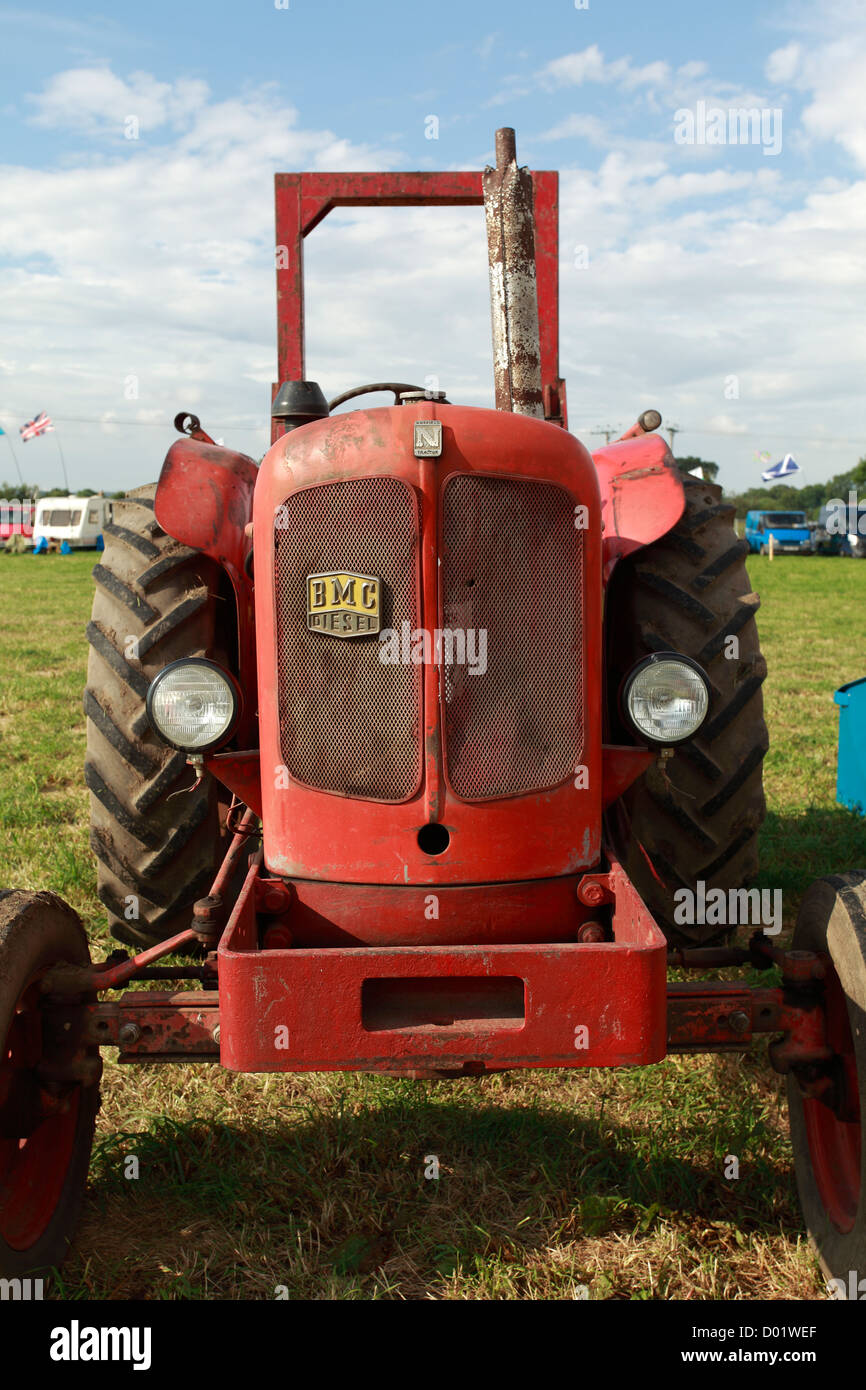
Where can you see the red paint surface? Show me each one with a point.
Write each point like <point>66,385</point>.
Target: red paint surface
<point>204,499</point>
<point>316,835</point>
<point>341,1008</point>
<point>302,201</point>
<point>642,494</point>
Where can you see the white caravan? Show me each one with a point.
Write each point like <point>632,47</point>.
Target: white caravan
<point>78,520</point>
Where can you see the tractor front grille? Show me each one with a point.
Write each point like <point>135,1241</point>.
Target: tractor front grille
<point>512,564</point>
<point>348,723</point>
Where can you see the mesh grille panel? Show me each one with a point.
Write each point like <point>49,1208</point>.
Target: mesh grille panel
<point>512,564</point>
<point>348,723</point>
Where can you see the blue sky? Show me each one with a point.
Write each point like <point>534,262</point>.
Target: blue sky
<point>722,283</point>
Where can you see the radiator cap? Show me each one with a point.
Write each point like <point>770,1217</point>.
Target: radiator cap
<point>410,397</point>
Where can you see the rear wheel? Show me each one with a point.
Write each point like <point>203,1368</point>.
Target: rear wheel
<point>46,1125</point>
<point>155,834</point>
<point>697,818</point>
<point>826,1136</point>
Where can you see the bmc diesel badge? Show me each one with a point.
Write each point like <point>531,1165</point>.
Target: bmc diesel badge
<point>344,605</point>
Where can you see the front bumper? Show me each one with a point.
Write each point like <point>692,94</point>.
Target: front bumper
<point>444,1008</point>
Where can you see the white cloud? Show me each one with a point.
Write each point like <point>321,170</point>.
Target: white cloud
<point>155,259</point>
<point>833,74</point>
<point>573,69</point>
<point>782,64</point>
<point>578,127</point>
<point>94,100</point>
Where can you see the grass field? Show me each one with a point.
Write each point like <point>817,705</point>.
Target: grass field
<point>548,1181</point>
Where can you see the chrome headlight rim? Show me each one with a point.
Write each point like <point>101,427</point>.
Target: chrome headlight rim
<point>231,682</point>
<point>654,659</point>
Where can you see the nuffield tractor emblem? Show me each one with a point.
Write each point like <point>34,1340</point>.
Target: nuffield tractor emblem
<point>345,605</point>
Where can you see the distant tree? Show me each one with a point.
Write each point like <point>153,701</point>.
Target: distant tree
<point>710,470</point>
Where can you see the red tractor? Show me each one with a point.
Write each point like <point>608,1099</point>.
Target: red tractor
<point>460,712</point>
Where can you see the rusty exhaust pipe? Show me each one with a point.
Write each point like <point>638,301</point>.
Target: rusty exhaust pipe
<point>508,209</point>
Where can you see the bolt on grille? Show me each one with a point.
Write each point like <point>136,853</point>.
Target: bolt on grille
<point>348,723</point>
<point>512,563</point>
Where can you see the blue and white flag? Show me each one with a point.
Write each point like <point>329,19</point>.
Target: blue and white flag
<point>780,470</point>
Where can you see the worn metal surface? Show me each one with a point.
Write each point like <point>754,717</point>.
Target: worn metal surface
<point>373,914</point>
<point>642,495</point>
<point>645,424</point>
<point>151,1025</point>
<point>402,1008</point>
<point>190,425</point>
<point>510,222</point>
<point>204,499</point>
<point>64,980</point>
<point>513,567</point>
<point>397,1009</point>
<point>302,201</point>
<point>311,833</point>
<point>349,722</point>
<point>707,1016</point>
<point>715,1015</point>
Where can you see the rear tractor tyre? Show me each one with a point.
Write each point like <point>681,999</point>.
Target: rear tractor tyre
<point>156,835</point>
<point>697,819</point>
<point>46,1126</point>
<point>829,1158</point>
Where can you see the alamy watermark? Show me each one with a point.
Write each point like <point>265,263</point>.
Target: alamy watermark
<point>851,1290</point>
<point>739,125</point>
<point>736,907</point>
<point>22,1290</point>
<point>449,646</point>
<point>846,518</point>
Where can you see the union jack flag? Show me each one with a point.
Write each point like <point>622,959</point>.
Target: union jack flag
<point>40,425</point>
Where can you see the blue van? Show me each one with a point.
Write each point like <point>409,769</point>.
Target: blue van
<point>790,532</point>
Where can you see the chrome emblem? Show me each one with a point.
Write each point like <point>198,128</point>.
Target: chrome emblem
<point>344,604</point>
<point>428,439</point>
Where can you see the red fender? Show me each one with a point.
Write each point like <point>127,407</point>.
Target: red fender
<point>642,495</point>
<point>204,499</point>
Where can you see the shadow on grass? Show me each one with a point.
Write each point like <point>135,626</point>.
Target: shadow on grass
<point>349,1184</point>
<point>795,850</point>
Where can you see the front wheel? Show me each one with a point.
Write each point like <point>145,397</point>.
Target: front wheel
<point>698,818</point>
<point>46,1116</point>
<point>157,850</point>
<point>826,1136</point>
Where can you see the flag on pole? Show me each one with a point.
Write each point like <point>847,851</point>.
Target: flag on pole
<point>40,425</point>
<point>784,469</point>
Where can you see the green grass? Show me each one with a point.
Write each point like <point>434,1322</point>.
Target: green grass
<point>813,631</point>
<point>549,1181</point>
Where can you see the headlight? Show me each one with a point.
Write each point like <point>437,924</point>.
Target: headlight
<point>193,704</point>
<point>666,697</point>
